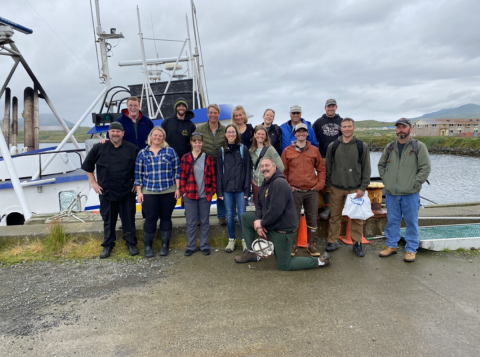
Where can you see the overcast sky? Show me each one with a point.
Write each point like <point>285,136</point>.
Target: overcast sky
<point>379,59</point>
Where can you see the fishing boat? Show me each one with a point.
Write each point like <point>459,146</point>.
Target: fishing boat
<point>40,181</point>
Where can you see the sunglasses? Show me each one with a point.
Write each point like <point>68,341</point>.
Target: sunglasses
<point>200,134</point>
<point>296,113</point>
<point>231,132</point>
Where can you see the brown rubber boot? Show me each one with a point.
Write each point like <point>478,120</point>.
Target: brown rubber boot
<point>312,236</point>
<point>294,245</point>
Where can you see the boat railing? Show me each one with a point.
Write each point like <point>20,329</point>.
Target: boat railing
<point>71,151</point>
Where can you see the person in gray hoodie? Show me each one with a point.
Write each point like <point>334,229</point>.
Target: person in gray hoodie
<point>348,171</point>
<point>276,219</point>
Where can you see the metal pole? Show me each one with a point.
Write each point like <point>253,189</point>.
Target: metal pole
<point>28,141</point>
<point>69,135</point>
<point>197,86</point>
<point>14,121</point>
<point>47,99</point>
<point>173,73</point>
<point>144,61</point>
<point>200,82</point>
<point>103,47</point>
<point>36,119</point>
<point>191,59</point>
<point>16,59</point>
<point>14,178</point>
<point>6,118</point>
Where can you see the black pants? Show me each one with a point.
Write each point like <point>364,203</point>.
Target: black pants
<point>155,206</point>
<point>109,211</point>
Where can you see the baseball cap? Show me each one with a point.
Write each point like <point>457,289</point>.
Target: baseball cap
<point>116,125</point>
<point>295,109</point>
<point>404,121</point>
<point>300,126</point>
<point>330,101</point>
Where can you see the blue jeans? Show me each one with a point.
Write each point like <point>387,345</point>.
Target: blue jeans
<point>221,212</point>
<point>407,207</point>
<point>229,201</point>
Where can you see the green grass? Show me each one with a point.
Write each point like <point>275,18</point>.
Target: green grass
<point>57,136</point>
<point>59,246</point>
<point>446,250</point>
<point>430,141</point>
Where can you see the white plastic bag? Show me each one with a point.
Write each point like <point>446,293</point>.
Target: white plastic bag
<point>358,208</point>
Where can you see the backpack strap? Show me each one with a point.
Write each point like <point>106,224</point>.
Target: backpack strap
<point>360,150</point>
<point>223,155</point>
<point>389,151</point>
<point>359,144</point>
<point>336,143</point>
<point>260,157</point>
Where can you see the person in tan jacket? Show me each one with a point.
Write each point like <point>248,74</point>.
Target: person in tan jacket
<point>305,173</point>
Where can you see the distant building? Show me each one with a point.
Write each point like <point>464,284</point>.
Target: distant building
<point>446,127</point>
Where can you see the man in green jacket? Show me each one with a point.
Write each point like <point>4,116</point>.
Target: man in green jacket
<point>348,171</point>
<point>213,137</point>
<point>403,167</point>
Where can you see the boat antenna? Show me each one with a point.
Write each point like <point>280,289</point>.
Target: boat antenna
<point>153,30</point>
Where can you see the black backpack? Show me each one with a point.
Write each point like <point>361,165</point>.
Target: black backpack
<point>359,143</point>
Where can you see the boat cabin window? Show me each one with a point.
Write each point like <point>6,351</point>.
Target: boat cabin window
<point>66,197</point>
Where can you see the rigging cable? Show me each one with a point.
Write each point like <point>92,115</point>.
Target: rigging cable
<point>61,40</point>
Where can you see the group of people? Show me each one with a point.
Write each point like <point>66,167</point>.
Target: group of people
<point>285,167</point>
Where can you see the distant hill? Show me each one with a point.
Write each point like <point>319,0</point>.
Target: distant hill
<point>464,111</point>
<point>372,124</point>
<point>45,120</point>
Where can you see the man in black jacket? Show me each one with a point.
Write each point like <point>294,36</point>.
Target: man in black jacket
<point>179,128</point>
<point>327,129</point>
<point>115,164</point>
<point>276,220</point>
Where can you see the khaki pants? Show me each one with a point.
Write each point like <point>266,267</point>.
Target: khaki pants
<point>337,201</point>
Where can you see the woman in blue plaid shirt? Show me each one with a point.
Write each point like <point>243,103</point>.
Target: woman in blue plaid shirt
<point>157,178</point>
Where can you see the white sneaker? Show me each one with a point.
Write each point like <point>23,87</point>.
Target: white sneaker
<point>231,245</point>
<point>244,245</point>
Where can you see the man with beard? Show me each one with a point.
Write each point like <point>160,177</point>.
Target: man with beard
<point>179,128</point>
<point>276,219</point>
<point>115,165</point>
<point>404,166</point>
<point>327,130</point>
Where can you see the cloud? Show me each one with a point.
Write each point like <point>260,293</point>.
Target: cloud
<point>379,59</point>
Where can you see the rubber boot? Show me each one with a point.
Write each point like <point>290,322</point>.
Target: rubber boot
<point>166,236</point>
<point>147,242</point>
<point>294,245</point>
<point>312,237</point>
<point>326,198</point>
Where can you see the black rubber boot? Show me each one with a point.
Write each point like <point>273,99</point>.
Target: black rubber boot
<point>166,236</point>
<point>147,241</point>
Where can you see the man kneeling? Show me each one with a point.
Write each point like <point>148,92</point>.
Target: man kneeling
<point>276,220</point>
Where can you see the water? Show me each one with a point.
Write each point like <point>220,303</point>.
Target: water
<point>452,179</point>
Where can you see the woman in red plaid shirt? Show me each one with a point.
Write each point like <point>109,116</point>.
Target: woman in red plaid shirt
<point>197,187</point>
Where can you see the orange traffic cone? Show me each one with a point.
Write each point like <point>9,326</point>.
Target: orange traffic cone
<point>347,238</point>
<point>302,232</point>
